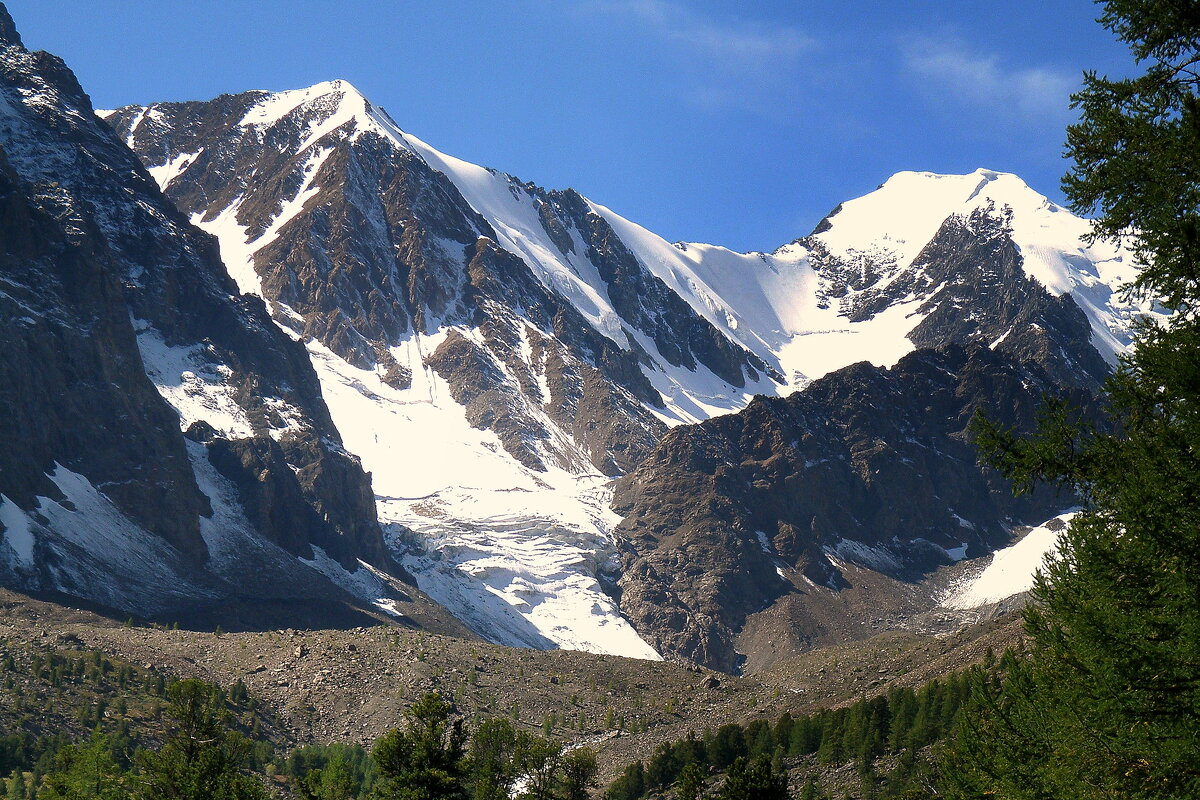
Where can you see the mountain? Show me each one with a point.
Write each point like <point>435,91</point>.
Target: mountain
<point>497,353</point>
<point>811,519</point>
<point>167,447</point>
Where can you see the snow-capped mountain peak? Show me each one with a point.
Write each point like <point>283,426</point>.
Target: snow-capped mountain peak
<point>495,351</point>
<point>895,222</point>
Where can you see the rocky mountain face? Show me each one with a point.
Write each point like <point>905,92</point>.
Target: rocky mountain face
<point>497,353</point>
<point>166,445</point>
<point>359,243</point>
<point>868,467</point>
<point>427,288</point>
<point>736,531</point>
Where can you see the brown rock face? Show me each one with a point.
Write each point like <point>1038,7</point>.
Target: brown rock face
<point>867,467</point>
<point>99,275</point>
<point>386,246</point>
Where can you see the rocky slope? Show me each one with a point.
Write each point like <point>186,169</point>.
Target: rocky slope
<point>496,352</point>
<point>354,684</point>
<point>167,447</point>
<point>749,525</point>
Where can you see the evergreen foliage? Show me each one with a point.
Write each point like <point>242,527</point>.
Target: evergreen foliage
<point>1108,703</point>
<point>898,724</point>
<point>426,759</point>
<point>754,780</point>
<point>204,758</point>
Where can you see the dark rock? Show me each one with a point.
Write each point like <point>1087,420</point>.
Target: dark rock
<point>872,465</point>
<point>97,266</point>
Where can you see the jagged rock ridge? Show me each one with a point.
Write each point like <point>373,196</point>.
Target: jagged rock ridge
<point>166,445</point>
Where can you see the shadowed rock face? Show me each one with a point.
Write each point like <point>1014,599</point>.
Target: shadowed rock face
<point>868,466</point>
<point>107,293</point>
<point>973,288</point>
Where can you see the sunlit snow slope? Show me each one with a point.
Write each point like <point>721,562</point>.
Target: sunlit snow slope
<point>1009,571</point>
<point>515,546</point>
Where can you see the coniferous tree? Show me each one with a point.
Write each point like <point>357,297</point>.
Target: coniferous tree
<point>203,758</point>
<point>16,786</point>
<point>540,761</point>
<point>426,759</point>
<point>754,780</point>
<point>691,782</point>
<point>494,761</point>
<point>662,769</point>
<point>86,771</point>
<point>1108,704</point>
<point>578,774</point>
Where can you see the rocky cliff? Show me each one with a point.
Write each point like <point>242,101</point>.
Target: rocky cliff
<point>166,444</point>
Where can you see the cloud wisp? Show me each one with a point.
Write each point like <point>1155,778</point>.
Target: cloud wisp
<point>732,63</point>
<point>738,43</point>
<point>1034,95</point>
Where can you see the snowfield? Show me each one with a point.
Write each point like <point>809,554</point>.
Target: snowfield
<point>1010,571</point>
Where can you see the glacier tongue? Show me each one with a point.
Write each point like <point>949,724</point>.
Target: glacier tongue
<point>512,552</point>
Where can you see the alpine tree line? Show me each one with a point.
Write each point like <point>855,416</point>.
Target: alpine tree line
<point>209,751</point>
<point>204,757</point>
<point>753,757</point>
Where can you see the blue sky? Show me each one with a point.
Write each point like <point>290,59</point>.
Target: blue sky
<point>729,122</point>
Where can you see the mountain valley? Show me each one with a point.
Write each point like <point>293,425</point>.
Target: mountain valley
<point>392,422</point>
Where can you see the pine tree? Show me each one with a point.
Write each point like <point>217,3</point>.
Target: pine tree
<point>578,774</point>
<point>754,780</point>
<point>540,762</point>
<point>202,759</point>
<point>425,760</point>
<point>691,782</point>
<point>86,771</point>
<point>16,786</point>
<point>493,763</point>
<point>1108,704</point>
<point>811,790</point>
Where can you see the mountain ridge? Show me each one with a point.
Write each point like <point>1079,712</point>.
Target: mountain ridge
<point>863,286</point>
<point>496,353</point>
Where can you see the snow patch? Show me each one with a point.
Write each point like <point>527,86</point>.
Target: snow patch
<point>17,533</point>
<point>1010,570</point>
<point>163,174</point>
<point>194,386</point>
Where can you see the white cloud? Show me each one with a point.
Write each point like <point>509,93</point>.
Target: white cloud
<point>1032,94</point>
<point>740,43</point>
<point>723,64</point>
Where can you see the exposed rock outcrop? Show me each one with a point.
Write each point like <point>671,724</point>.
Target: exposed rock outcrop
<point>121,328</point>
<point>868,466</point>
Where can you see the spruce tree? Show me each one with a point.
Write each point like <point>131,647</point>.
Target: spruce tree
<point>426,759</point>
<point>203,758</point>
<point>1108,703</point>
